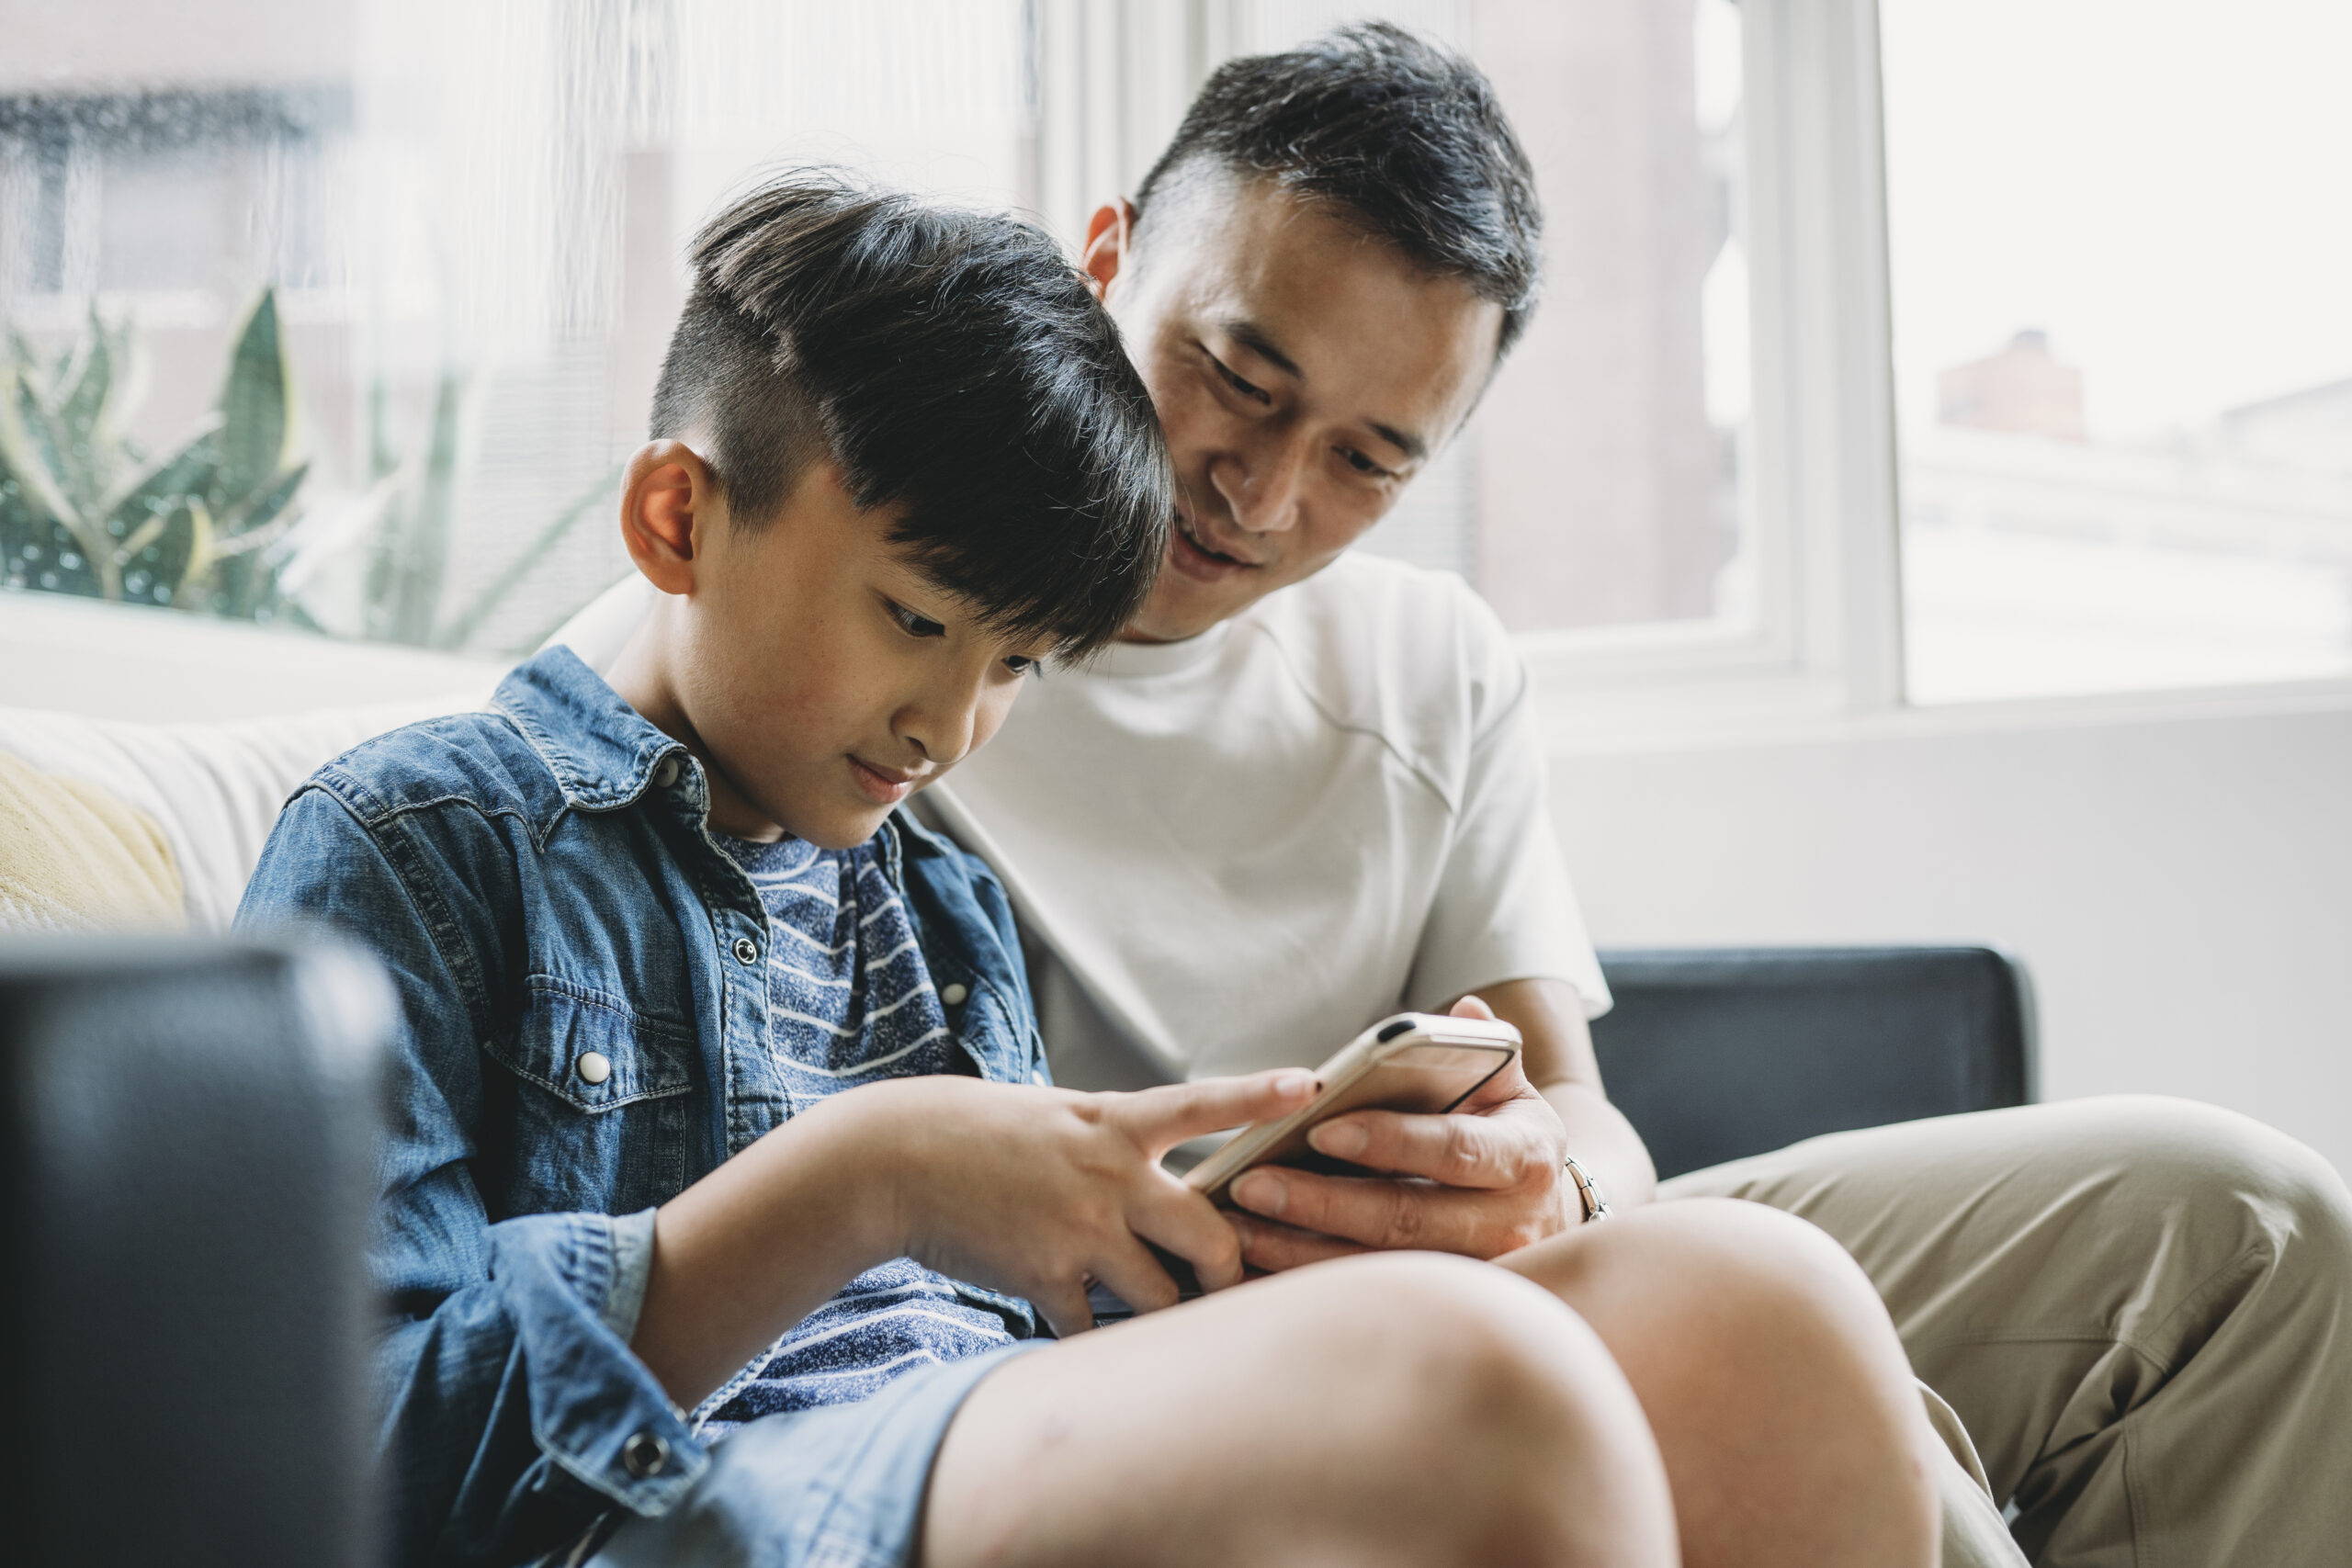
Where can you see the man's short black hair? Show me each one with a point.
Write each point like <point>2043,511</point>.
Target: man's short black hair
<point>1398,134</point>
<point>954,365</point>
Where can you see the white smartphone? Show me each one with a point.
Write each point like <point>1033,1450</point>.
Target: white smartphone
<point>1413,1062</point>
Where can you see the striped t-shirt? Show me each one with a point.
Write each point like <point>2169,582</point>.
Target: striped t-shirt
<point>850,1001</point>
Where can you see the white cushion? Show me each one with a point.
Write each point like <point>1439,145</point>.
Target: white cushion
<point>214,789</point>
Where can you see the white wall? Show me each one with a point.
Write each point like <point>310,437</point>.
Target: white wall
<point>2177,874</point>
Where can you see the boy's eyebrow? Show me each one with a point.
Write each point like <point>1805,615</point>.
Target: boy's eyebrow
<point>1252,336</point>
<point>1404,441</point>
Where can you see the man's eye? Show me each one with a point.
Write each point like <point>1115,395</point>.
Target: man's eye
<point>1361,463</point>
<point>1246,388</point>
<point>914,624</point>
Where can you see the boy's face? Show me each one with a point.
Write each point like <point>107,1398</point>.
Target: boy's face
<point>819,678</point>
<point>1304,373</point>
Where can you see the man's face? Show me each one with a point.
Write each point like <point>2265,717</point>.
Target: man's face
<point>1304,373</point>
<point>821,677</point>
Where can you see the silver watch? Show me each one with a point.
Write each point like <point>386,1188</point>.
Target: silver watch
<point>1596,1207</point>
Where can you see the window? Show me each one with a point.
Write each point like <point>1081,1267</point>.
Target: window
<point>318,319</point>
<point>423,290</point>
<point>2123,342</point>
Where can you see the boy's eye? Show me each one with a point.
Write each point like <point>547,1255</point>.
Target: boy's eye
<point>914,624</point>
<point>1246,389</point>
<point>1021,663</point>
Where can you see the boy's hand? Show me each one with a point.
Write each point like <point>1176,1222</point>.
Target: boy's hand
<point>1036,1192</point>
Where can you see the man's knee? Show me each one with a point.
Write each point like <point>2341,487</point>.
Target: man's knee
<point>2229,1173</point>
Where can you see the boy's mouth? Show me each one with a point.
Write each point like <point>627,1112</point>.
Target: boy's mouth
<point>1192,555</point>
<point>883,787</point>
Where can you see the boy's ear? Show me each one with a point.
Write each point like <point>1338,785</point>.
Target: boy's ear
<point>670,503</point>
<point>1108,235</point>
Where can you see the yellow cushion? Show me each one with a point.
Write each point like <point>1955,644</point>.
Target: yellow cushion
<point>73,857</point>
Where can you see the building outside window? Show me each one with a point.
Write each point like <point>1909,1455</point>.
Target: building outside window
<point>2123,342</point>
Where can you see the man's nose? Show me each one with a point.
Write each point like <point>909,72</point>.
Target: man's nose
<point>1263,486</point>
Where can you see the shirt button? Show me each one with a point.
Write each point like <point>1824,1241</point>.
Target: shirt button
<point>666,774</point>
<point>594,1067</point>
<point>952,993</point>
<point>746,951</point>
<point>645,1455</point>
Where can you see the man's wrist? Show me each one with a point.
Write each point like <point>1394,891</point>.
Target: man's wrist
<point>1589,1204</point>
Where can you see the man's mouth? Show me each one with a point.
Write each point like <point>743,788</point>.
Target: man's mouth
<point>1196,556</point>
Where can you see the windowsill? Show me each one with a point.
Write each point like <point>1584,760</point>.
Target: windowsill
<point>115,661</point>
<point>1767,708</point>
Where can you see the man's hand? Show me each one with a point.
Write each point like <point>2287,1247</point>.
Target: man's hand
<point>1482,1180</point>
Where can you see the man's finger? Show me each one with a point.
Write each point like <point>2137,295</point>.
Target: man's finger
<point>1375,1212</point>
<point>1159,1119</point>
<point>1457,1149</point>
<point>1275,1248</point>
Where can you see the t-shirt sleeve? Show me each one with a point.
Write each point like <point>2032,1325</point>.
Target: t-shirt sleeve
<point>1504,910</point>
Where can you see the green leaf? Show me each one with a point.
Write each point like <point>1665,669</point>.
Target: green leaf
<point>254,400</point>
<point>84,402</point>
<point>24,451</point>
<point>164,493</point>
<point>255,517</point>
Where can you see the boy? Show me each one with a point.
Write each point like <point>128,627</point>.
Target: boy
<point>719,1091</point>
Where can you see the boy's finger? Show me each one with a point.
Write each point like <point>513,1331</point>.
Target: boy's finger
<point>1161,1118</point>
<point>1136,1278</point>
<point>1067,1311</point>
<point>1182,1221</point>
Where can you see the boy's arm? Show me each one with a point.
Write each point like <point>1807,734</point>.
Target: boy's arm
<point>510,1408</point>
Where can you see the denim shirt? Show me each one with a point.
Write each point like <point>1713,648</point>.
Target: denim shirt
<point>584,981</point>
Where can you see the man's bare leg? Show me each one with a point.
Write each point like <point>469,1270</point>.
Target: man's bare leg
<point>1402,1409</point>
<point>1778,1393</point>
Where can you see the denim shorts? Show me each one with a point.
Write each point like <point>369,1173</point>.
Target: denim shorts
<point>840,1487</point>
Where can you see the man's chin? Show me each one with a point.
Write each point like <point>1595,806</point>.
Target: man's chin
<point>1182,606</point>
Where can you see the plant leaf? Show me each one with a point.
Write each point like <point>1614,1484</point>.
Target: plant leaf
<point>18,451</point>
<point>167,488</point>
<point>251,521</point>
<point>84,402</point>
<point>254,400</point>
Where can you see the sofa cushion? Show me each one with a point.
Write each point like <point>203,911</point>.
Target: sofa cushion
<point>212,791</point>
<point>73,857</point>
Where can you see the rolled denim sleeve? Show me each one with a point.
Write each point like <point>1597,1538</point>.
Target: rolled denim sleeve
<point>510,1411</point>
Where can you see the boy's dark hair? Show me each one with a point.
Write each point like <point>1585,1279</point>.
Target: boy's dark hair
<point>1402,137</point>
<point>952,363</point>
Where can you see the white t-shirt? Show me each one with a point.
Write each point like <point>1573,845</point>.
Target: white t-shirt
<point>1236,852</point>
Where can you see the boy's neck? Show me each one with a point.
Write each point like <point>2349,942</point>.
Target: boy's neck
<point>640,676</point>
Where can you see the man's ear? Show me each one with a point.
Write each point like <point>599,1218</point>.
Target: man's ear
<point>670,503</point>
<point>1109,234</point>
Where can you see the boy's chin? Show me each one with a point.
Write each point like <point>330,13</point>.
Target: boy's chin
<point>843,827</point>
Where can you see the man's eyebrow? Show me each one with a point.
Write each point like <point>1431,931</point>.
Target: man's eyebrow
<point>1252,336</point>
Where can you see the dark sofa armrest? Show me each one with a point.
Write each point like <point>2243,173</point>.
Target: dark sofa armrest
<point>1716,1053</point>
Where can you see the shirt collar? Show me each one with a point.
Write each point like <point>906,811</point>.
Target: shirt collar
<point>600,751</point>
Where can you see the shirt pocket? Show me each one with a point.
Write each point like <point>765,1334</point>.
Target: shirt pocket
<point>601,1107</point>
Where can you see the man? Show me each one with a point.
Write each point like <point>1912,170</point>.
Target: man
<point>1304,792</point>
